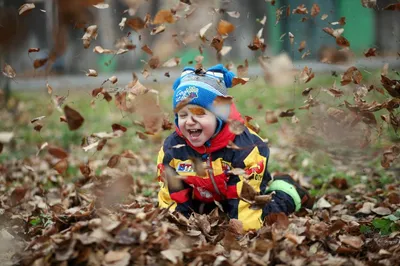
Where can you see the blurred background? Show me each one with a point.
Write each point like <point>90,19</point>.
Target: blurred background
<point>57,28</point>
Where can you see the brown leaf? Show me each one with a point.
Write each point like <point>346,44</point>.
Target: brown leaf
<point>101,144</point>
<point>353,241</point>
<point>236,127</point>
<point>147,49</point>
<point>306,92</point>
<point>17,195</point>
<point>271,117</point>
<point>1,147</point>
<point>217,42</point>
<point>335,92</point>
<point>342,41</point>
<point>255,128</point>
<point>392,7</point>
<point>61,166</point>
<point>236,227</point>
<point>85,170</point>
<point>381,211</point>
<point>370,52</point>
<point>225,27</point>
<point>351,74</point>
<point>339,183</point>
<point>182,104</point>
<point>49,88</point>
<point>116,127</point>
<point>237,81</point>
<point>74,119</point>
<point>173,62</point>
<point>96,91</point>
<point>164,16</point>
<point>25,8</point>
<point>40,62</point>
<point>135,23</point>
<point>92,73</point>
<point>197,110</point>
<point>302,46</point>
<point>154,62</point>
<point>301,9</point>
<point>33,50</point>
<point>315,9</point>
<point>158,29</point>
<point>198,166</point>
<point>8,71</point>
<point>141,135</point>
<point>117,258</point>
<point>329,31</point>
<point>114,161</point>
<point>248,192</point>
<point>57,152</point>
<point>287,113</point>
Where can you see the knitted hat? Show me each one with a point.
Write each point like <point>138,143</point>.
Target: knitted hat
<point>202,87</point>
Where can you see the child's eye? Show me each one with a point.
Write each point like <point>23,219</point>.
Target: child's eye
<point>182,115</point>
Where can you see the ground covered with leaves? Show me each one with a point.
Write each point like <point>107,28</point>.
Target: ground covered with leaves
<point>111,219</point>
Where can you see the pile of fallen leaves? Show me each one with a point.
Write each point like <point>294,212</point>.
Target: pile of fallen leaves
<point>113,220</point>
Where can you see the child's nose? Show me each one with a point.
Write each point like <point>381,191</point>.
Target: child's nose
<point>191,120</point>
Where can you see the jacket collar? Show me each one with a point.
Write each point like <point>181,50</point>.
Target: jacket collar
<point>220,140</point>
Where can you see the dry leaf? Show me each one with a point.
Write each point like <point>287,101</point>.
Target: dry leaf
<point>8,71</point>
<point>74,119</point>
<point>324,16</point>
<point>25,8</point>
<point>173,62</point>
<point>270,117</point>
<point>114,161</point>
<point>49,88</point>
<point>392,7</point>
<point>225,27</point>
<point>315,9</point>
<point>135,23</point>
<point>92,73</point>
<point>101,6</point>
<point>158,29</point>
<point>225,50</point>
<point>61,166</point>
<point>164,16</point>
<point>342,41</point>
<point>217,42</point>
<point>33,50</point>
<point>147,49</point>
<point>122,23</point>
<point>204,29</point>
<point>370,52</point>
<point>236,127</point>
<point>154,62</point>
<point>57,152</point>
<point>40,62</point>
<point>233,14</point>
<point>302,46</point>
<point>37,119</point>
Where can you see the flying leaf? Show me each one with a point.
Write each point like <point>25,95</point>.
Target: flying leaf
<point>236,127</point>
<point>217,42</point>
<point>342,41</point>
<point>263,20</point>
<point>302,46</point>
<point>172,62</point>
<point>236,81</point>
<point>301,9</point>
<point>92,73</point>
<point>114,161</point>
<point>370,52</point>
<point>164,16</point>
<point>101,6</point>
<point>57,152</point>
<point>122,23</point>
<point>116,127</point>
<point>233,14</point>
<point>158,29</point>
<point>225,27</point>
<point>225,50</point>
<point>270,117</point>
<point>324,16</point>
<point>8,71</point>
<point>90,34</point>
<point>74,119</point>
<point>61,166</point>
<point>393,7</point>
<point>33,50</point>
<point>147,49</point>
<point>37,119</point>
<point>204,29</point>
<point>291,38</point>
<point>135,23</point>
<point>40,62</point>
<point>315,9</point>
<point>154,62</point>
<point>25,8</point>
<point>112,79</point>
<point>49,88</point>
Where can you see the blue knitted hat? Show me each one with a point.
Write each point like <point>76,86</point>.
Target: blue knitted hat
<point>202,87</point>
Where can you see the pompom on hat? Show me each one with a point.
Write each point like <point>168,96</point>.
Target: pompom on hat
<point>201,87</point>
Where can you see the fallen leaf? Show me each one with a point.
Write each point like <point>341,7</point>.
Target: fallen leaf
<point>271,117</point>
<point>33,50</point>
<point>154,62</point>
<point>322,203</point>
<point>393,7</point>
<point>353,241</point>
<point>370,52</point>
<point>301,9</point>
<point>37,119</point>
<point>381,211</point>
<point>173,62</point>
<point>117,258</point>
<point>49,88</point>
<point>158,29</point>
<point>122,23</point>
<point>225,50</point>
<point>342,41</point>
<point>74,119</point>
<point>25,8</point>
<point>114,161</point>
<point>302,46</point>
<point>61,166</point>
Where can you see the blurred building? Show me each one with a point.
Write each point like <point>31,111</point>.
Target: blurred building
<point>57,26</point>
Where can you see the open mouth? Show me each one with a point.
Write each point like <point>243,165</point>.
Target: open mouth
<point>194,133</point>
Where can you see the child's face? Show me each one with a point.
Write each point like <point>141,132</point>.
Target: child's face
<point>196,124</point>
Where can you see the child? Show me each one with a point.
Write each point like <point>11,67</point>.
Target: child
<point>203,133</point>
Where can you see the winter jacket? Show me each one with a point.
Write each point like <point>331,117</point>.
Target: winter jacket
<point>219,158</point>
